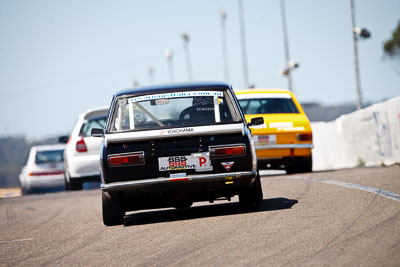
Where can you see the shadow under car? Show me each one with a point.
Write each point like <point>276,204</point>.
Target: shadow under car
<point>169,215</point>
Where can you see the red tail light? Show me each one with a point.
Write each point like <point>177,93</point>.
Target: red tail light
<point>227,151</point>
<point>128,159</point>
<point>46,173</point>
<point>81,146</point>
<point>304,137</point>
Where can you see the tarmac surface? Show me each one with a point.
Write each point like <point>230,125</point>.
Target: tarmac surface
<point>345,217</point>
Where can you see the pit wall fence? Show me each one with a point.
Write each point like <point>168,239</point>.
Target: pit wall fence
<point>366,137</point>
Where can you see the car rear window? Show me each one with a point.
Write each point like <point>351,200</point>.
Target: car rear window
<point>92,123</point>
<point>268,105</point>
<point>174,109</point>
<point>49,156</point>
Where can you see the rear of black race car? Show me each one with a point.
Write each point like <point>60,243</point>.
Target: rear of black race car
<point>177,171</point>
<point>167,166</point>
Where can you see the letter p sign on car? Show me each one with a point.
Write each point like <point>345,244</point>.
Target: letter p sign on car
<point>203,162</point>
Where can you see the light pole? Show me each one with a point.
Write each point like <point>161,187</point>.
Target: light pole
<point>224,47</point>
<point>290,66</point>
<point>357,33</point>
<point>288,70</point>
<point>243,42</point>
<point>185,37</point>
<point>169,54</point>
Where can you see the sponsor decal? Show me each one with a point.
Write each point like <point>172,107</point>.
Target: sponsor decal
<point>178,131</point>
<point>205,109</point>
<point>196,161</point>
<point>176,168</point>
<point>175,95</point>
<point>227,165</point>
<point>179,163</point>
<point>285,124</point>
<point>176,163</point>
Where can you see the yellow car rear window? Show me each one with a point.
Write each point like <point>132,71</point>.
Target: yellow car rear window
<point>268,106</point>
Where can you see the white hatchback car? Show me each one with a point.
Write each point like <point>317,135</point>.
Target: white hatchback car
<point>44,168</point>
<point>81,156</point>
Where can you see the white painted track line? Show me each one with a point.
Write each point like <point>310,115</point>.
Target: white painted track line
<point>16,240</point>
<point>370,189</point>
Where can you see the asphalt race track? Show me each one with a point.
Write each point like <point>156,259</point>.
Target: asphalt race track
<point>346,217</point>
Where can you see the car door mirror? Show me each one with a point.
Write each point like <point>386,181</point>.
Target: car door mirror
<point>97,132</point>
<point>256,121</point>
<point>63,139</point>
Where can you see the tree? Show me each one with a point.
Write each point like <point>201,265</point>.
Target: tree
<point>391,48</point>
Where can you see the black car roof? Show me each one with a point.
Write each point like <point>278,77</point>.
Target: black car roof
<point>171,87</point>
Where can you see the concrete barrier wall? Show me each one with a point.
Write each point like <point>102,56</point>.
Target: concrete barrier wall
<point>369,137</point>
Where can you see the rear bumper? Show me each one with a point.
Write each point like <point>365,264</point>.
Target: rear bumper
<point>43,182</point>
<point>186,180</point>
<point>280,151</point>
<point>284,146</point>
<point>90,178</point>
<point>83,165</point>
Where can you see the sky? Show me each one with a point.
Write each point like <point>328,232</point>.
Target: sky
<point>59,58</point>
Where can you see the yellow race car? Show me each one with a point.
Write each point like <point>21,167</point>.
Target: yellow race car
<point>284,141</point>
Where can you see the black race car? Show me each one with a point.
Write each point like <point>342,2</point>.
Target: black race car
<point>174,144</point>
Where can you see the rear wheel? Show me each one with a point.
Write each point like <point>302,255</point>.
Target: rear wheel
<point>113,212</point>
<point>25,191</point>
<point>307,164</point>
<point>301,165</point>
<point>251,197</point>
<point>67,184</point>
<point>291,169</point>
<point>72,184</point>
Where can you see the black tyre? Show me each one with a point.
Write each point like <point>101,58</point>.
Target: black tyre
<point>113,212</point>
<point>291,169</point>
<point>67,184</point>
<point>25,191</point>
<point>72,183</point>
<point>301,165</point>
<point>251,197</point>
<point>307,164</point>
<point>75,184</point>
